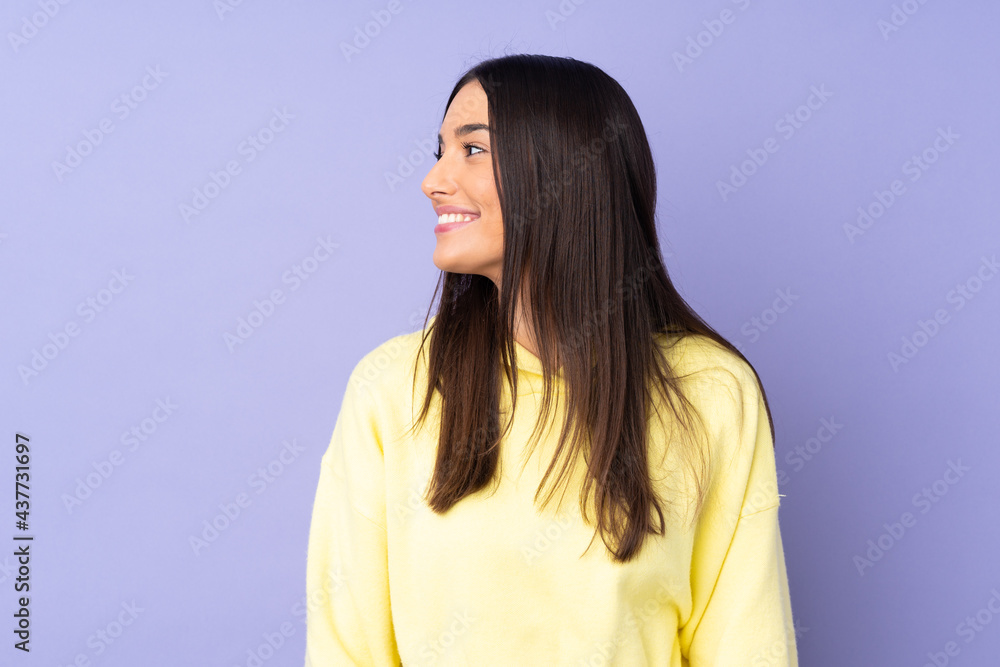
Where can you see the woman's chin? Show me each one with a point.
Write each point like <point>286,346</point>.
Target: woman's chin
<point>453,262</point>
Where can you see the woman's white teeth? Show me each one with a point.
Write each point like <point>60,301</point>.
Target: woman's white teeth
<point>455,217</point>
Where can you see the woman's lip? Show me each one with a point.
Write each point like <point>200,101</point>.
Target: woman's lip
<point>442,227</point>
<point>441,210</point>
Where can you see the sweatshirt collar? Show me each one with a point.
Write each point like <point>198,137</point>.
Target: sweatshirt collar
<point>528,362</point>
<point>525,360</point>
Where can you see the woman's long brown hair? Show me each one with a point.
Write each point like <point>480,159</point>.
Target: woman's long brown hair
<point>578,204</point>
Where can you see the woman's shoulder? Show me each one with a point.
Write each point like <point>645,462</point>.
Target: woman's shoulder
<point>386,367</point>
<point>702,361</point>
<point>725,391</point>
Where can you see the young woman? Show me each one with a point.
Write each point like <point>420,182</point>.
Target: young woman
<point>559,343</point>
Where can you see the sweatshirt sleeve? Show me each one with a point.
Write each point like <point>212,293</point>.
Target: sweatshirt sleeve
<point>348,617</point>
<point>741,608</point>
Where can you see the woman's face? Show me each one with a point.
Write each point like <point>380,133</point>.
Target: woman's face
<point>462,182</point>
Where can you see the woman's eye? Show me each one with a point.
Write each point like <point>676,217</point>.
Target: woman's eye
<point>437,154</point>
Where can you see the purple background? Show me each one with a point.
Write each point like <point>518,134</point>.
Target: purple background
<point>324,176</point>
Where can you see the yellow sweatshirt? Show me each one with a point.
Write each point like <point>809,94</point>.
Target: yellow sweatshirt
<point>498,581</point>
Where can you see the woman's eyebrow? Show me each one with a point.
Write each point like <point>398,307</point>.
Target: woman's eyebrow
<point>468,128</point>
